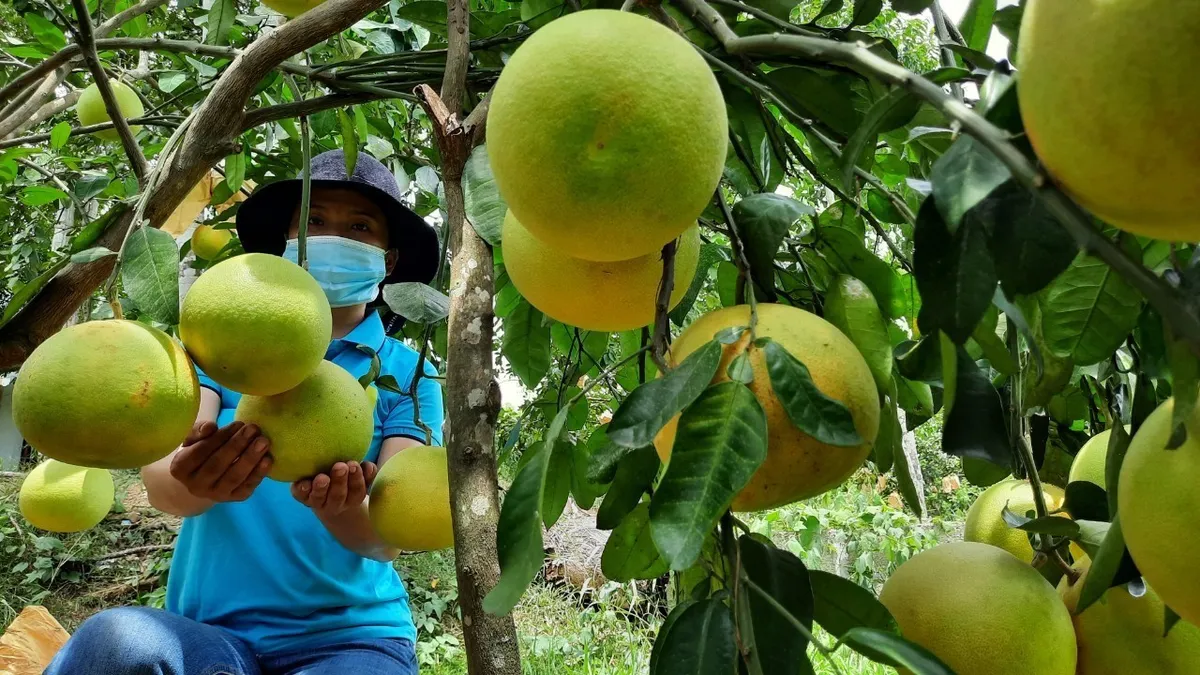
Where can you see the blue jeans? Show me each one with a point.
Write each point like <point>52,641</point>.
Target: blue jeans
<point>145,641</point>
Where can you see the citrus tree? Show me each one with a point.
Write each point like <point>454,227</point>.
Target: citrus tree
<point>891,225</point>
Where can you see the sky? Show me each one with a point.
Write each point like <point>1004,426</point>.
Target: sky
<point>998,46</point>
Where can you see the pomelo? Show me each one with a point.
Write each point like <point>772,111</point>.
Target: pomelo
<point>410,500</point>
<point>207,241</point>
<point>606,134</point>
<point>326,419</point>
<point>851,306</point>
<point>1091,461</point>
<point>604,296</point>
<point>1109,98</point>
<point>61,497</point>
<point>797,465</point>
<point>981,611</point>
<point>985,520</point>
<point>106,394</point>
<point>89,109</point>
<point>1123,635</point>
<point>291,8</point>
<point>256,323</point>
<point>1157,502</point>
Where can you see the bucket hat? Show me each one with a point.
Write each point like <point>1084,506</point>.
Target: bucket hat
<point>264,218</point>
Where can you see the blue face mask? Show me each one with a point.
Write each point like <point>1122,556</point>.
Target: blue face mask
<point>348,271</point>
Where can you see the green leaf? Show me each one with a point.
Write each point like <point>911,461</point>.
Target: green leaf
<point>740,369</point>
<point>873,642</point>
<point>90,184</point>
<point>751,154</point>
<point>1085,500</point>
<point>865,12</point>
<point>776,646</point>
<point>698,642</point>
<point>235,172</point>
<point>888,441</point>
<point>994,349</point>
<point>954,273</point>
<point>964,177</point>
<point>1088,311</point>
<point>526,344</point>
<point>1185,381</point>
<point>915,398</point>
<point>904,458</point>
<point>976,24</point>
<point>1056,526</point>
<point>830,7</point>
<point>91,255</point>
<point>763,220</point>
<point>920,361</point>
<point>649,407</point>
<point>40,195</point>
<point>171,80</point>
<point>828,97</point>
<point>537,13</point>
<point>519,535</point>
<point>825,419</point>
<point>417,302</point>
<point>710,254</point>
<point>350,140</point>
<point>484,206</point>
<point>911,6</point>
<point>1111,566</point>
<point>220,21</point>
<point>1032,248</point>
<point>840,605</point>
<point>975,423</point>
<point>428,14</point>
<point>630,552</point>
<point>150,273</point>
<point>583,488</point>
<point>45,32</point>
<point>850,307</point>
<point>720,443</point>
<point>635,473</point>
<point>898,104</point>
<point>558,479</point>
<point>60,134</point>
<point>846,253</point>
<point>26,292</point>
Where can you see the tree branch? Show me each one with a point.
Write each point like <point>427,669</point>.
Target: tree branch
<point>660,343</point>
<point>151,120</point>
<point>259,116</point>
<point>53,177</point>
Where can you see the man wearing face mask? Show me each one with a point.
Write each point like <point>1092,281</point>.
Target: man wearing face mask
<point>270,578</point>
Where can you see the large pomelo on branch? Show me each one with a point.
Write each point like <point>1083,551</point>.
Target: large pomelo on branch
<point>291,8</point>
<point>981,611</point>
<point>985,519</point>
<point>1109,98</point>
<point>606,134</point>
<point>90,108</point>
<point>326,419</point>
<point>107,394</point>
<point>256,323</point>
<point>797,465</point>
<point>410,500</point>
<point>1158,503</point>
<point>1123,635</point>
<point>605,296</point>
<point>61,497</point>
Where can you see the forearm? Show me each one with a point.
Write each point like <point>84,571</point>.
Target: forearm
<point>352,528</point>
<point>167,494</point>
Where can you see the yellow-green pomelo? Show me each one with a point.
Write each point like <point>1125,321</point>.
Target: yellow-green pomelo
<point>208,241</point>
<point>410,500</point>
<point>89,109</point>
<point>106,394</point>
<point>1157,502</point>
<point>1091,460</point>
<point>291,8</point>
<point>851,307</point>
<point>797,465</point>
<point>605,296</point>
<point>256,323</point>
<point>606,134</point>
<point>1123,635</point>
<point>326,419</point>
<point>985,520</point>
<point>62,497</point>
<point>1109,98</point>
<point>981,611</point>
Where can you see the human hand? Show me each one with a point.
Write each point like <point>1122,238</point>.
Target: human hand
<point>343,488</point>
<point>222,465</point>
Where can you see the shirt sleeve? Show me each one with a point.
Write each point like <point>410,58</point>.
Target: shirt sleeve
<point>401,421</point>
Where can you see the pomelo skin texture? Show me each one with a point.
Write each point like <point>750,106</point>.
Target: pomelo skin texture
<point>207,241</point>
<point>292,8</point>
<point>106,394</point>
<point>1158,502</point>
<point>1123,635</point>
<point>797,466</point>
<point>328,418</point>
<point>985,521</point>
<point>90,108</point>
<point>410,500</point>
<point>981,611</point>
<point>61,497</point>
<point>606,296</point>
<point>1091,460</point>
<point>256,323</point>
<point>1109,98</point>
<point>606,134</point>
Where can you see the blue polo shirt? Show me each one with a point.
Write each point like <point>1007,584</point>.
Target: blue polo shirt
<point>267,570</point>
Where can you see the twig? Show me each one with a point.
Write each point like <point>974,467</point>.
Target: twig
<point>132,551</point>
<point>767,17</point>
<point>742,262</point>
<point>12,474</point>
<point>791,619</point>
<point>86,41</point>
<point>157,120</point>
<point>660,343</point>
<point>57,181</point>
<point>940,23</point>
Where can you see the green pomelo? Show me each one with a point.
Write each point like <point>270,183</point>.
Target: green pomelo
<point>89,109</point>
<point>61,497</point>
<point>207,241</point>
<point>1092,460</point>
<point>851,307</point>
<point>410,500</point>
<point>106,394</point>
<point>985,519</point>
<point>291,8</point>
<point>256,323</point>
<point>607,135</point>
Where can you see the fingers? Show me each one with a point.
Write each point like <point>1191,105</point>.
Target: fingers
<point>356,485</point>
<point>193,455</point>
<point>243,491</point>
<point>369,470</point>
<point>320,489</point>
<point>301,490</point>
<point>200,431</point>
<point>219,462</point>
<point>242,467</point>
<point>339,476</point>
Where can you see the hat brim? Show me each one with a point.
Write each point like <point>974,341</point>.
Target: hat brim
<point>264,218</point>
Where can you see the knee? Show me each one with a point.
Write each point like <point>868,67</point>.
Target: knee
<point>116,641</point>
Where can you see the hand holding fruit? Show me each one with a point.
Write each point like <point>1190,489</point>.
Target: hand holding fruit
<point>343,488</point>
<point>223,465</point>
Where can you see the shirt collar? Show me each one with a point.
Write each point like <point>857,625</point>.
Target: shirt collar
<point>369,332</point>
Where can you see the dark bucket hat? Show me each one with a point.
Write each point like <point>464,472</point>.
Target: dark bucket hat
<point>263,219</point>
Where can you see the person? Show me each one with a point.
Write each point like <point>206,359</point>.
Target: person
<point>270,578</point>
